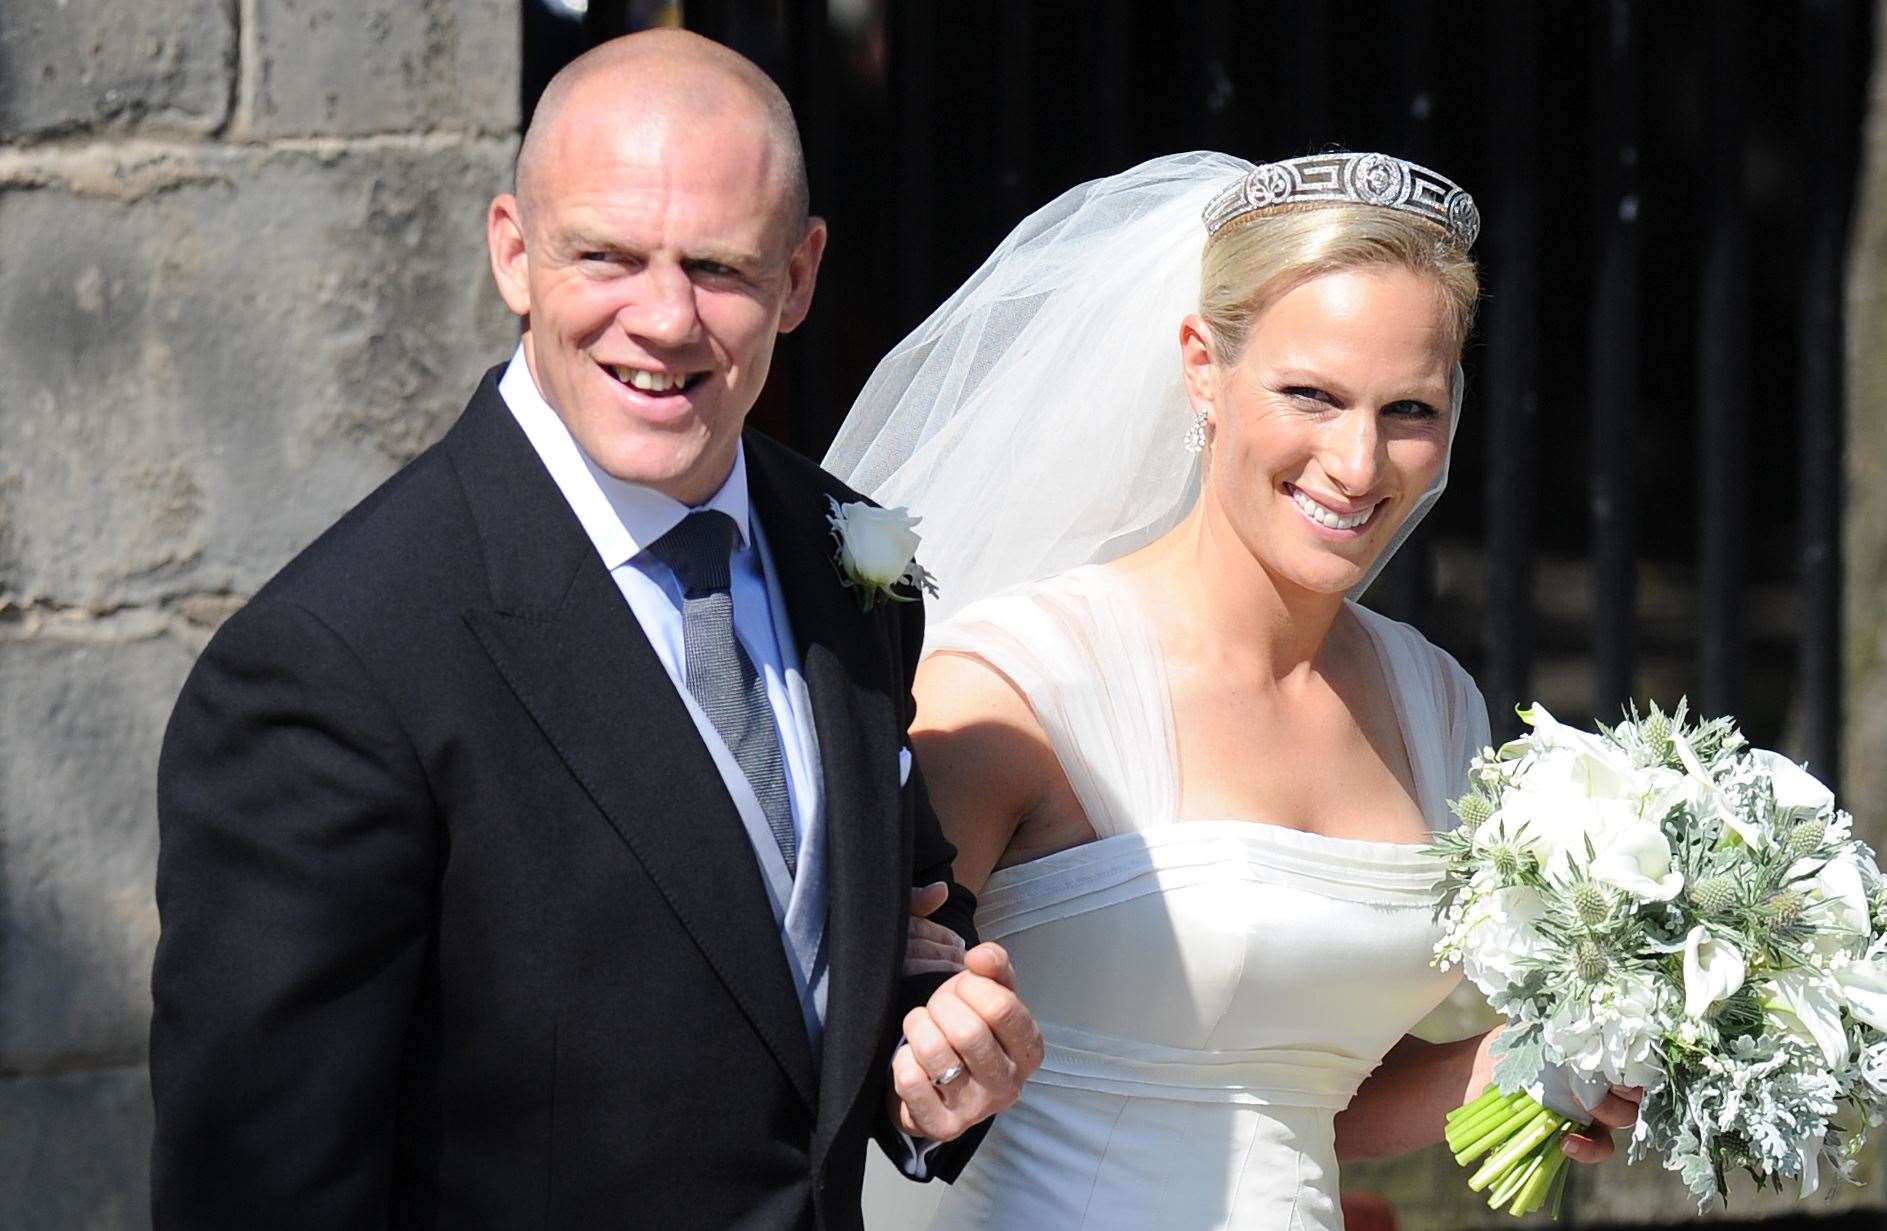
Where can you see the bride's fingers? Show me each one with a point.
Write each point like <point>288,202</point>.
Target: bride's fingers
<point>931,1048</point>
<point>935,934</point>
<point>1591,1145</point>
<point>1614,1111</point>
<point>929,898</point>
<point>921,960</point>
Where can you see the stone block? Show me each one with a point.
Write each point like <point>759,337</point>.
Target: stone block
<point>210,355</point>
<point>79,738</point>
<point>329,67</point>
<point>87,64</point>
<point>76,1152</point>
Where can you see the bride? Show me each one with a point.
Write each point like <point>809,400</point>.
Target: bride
<point>1160,442</point>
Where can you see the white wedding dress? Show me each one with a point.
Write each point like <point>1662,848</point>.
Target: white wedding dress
<point>1213,991</point>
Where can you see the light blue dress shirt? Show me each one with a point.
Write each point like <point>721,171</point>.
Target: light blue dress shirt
<point>621,520</point>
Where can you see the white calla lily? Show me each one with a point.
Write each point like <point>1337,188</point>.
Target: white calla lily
<point>1799,794</point>
<point>1808,1149</point>
<point>1864,985</point>
<point>1710,799</point>
<point>1807,1005</point>
<point>1713,971</point>
<point>1837,902</point>
<point>1637,859</point>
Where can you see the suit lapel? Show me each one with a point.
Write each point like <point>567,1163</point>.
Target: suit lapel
<point>854,688</point>
<point>566,642</point>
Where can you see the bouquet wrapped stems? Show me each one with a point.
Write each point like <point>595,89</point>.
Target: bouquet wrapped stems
<point>1525,1169</point>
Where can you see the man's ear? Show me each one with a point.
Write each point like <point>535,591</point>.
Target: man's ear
<point>802,271</point>
<point>510,264</point>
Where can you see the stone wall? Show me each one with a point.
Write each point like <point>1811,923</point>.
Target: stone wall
<point>243,276</point>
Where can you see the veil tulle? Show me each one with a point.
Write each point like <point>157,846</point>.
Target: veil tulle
<point>1036,420</point>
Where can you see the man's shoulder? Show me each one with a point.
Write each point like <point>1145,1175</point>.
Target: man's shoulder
<point>796,468</point>
<point>400,540</point>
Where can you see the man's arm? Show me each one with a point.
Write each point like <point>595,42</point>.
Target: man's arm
<point>296,873</point>
<point>932,856</point>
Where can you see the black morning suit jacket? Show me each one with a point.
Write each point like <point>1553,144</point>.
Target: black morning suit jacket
<point>460,927</point>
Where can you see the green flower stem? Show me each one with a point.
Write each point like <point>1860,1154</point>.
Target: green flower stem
<point>1542,1172</point>
<point>1506,1191</point>
<point>1479,1118</point>
<point>1559,1190</point>
<point>1496,1133</point>
<point>1535,1130</point>
<point>1469,1128</point>
<point>1489,1096</point>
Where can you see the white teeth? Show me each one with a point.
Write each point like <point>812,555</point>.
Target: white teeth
<point>1325,517</point>
<point>651,382</point>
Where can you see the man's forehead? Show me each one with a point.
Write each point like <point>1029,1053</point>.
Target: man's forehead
<point>658,217</point>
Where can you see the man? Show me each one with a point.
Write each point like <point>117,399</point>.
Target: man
<point>536,847</point>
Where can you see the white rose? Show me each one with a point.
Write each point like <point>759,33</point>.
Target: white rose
<point>1500,933</point>
<point>1799,794</point>
<point>876,546</point>
<point>1713,970</point>
<point>1631,1030</point>
<point>1612,1032</point>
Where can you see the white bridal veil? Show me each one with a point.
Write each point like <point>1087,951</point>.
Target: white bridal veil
<point>1036,420</point>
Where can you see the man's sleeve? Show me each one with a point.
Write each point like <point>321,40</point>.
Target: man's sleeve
<point>931,856</point>
<point>296,870</point>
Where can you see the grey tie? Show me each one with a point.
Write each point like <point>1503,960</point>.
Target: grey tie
<point>720,675</point>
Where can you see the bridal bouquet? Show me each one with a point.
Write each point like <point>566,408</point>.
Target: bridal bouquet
<point>1660,905</point>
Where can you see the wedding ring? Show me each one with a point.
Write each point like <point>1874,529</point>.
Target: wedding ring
<point>948,1075</point>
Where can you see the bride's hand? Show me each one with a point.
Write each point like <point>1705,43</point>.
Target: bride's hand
<point>930,948</point>
<point>1593,1144</point>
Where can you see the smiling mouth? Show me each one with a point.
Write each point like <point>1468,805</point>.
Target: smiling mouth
<point>645,381</point>
<point>1327,517</point>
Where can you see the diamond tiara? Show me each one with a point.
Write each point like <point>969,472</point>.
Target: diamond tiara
<point>1361,179</point>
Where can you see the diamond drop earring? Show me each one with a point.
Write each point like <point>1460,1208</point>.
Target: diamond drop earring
<point>1196,434</point>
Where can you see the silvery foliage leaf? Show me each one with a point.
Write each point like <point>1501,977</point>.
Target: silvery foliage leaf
<point>1520,1055</point>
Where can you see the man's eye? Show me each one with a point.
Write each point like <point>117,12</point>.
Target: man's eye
<point>714,269</point>
<point>1413,409</point>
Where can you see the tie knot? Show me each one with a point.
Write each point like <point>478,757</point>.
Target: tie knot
<point>697,551</point>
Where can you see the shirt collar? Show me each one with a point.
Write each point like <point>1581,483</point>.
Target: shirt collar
<point>621,518</point>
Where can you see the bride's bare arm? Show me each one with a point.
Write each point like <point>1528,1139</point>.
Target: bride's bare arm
<point>1404,1104</point>
<point>985,759</point>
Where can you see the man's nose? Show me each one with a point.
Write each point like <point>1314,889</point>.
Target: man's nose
<point>1352,452</point>
<point>663,311</point>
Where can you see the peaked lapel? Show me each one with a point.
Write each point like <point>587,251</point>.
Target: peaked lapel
<point>566,642</point>
<point>854,685</point>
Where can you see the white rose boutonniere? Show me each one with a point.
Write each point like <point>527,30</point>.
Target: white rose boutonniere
<point>877,552</point>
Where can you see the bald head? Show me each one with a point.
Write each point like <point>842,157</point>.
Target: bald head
<point>671,76</point>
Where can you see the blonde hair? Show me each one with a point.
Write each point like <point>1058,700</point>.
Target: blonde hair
<point>1256,260</point>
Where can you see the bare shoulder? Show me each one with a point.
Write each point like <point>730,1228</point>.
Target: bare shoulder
<point>985,758</point>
